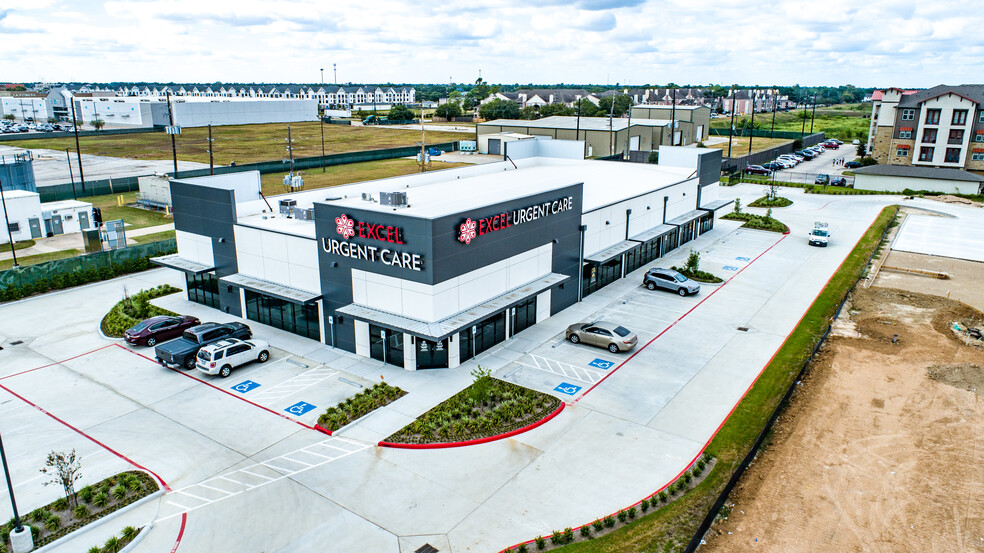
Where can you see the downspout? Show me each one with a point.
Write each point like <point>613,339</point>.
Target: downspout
<point>580,265</point>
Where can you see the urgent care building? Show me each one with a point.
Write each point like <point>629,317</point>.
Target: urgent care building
<point>430,270</point>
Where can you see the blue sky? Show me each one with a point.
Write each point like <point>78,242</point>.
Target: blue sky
<point>869,43</point>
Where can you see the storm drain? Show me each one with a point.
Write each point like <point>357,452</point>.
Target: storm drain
<point>743,328</point>
<point>426,548</point>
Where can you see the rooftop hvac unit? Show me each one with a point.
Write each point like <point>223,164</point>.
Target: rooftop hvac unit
<point>293,182</point>
<point>366,197</point>
<point>393,199</point>
<point>286,206</point>
<point>304,214</point>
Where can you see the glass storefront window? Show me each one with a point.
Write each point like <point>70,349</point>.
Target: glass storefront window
<point>297,318</point>
<point>523,315</point>
<point>203,289</point>
<point>432,355</point>
<point>482,336</point>
<point>386,345</point>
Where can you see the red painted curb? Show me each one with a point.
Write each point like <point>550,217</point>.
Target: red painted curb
<point>479,440</point>
<point>181,531</point>
<point>88,437</point>
<point>322,429</point>
<point>214,387</point>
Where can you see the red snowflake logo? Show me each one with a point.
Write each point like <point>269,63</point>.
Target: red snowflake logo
<point>467,233</point>
<point>345,226</point>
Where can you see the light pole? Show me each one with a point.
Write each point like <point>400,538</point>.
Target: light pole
<point>334,68</point>
<point>78,149</point>
<point>731,131</point>
<point>322,117</point>
<point>20,538</point>
<point>10,236</point>
<point>814,112</point>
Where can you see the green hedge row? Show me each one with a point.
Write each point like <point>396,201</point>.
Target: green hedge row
<point>76,278</point>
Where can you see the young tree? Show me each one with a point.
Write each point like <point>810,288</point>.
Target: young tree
<point>588,109</point>
<point>529,113</point>
<point>9,116</point>
<point>64,469</point>
<point>737,206</point>
<point>556,109</point>
<point>622,105</point>
<point>400,112</point>
<point>499,109</point>
<point>98,124</point>
<point>693,262</point>
<point>448,110</point>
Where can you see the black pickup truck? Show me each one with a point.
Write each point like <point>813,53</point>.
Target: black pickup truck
<point>181,352</point>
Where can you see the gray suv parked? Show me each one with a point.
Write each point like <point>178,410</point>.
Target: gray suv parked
<point>669,279</point>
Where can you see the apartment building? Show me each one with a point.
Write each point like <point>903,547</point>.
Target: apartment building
<point>942,127</point>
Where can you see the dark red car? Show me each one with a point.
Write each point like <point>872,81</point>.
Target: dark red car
<point>757,170</point>
<point>154,330</point>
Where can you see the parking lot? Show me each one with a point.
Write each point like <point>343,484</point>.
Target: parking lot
<point>247,472</point>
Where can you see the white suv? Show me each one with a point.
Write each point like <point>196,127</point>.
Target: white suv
<point>223,356</point>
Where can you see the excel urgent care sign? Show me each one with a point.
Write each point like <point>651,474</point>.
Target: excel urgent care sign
<point>471,229</point>
<point>348,228</point>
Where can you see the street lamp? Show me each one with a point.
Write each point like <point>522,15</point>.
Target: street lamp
<point>321,116</point>
<point>20,537</point>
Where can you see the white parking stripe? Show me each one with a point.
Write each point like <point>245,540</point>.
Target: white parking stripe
<point>563,369</point>
<point>292,386</point>
<point>187,492</point>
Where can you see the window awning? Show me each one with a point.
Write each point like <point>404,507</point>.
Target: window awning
<point>269,288</point>
<point>686,217</point>
<point>611,252</point>
<point>175,261</point>
<point>716,205</point>
<point>654,232</point>
<point>443,328</point>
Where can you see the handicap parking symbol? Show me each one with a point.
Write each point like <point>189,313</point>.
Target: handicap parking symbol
<point>730,268</point>
<point>601,364</point>
<point>299,408</point>
<point>568,389</point>
<point>246,386</point>
<point>746,259</point>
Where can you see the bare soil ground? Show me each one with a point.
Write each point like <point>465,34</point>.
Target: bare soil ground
<point>963,285</point>
<point>882,448</point>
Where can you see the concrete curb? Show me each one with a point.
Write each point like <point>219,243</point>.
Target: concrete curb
<point>143,532</point>
<point>97,523</point>
<point>445,445</point>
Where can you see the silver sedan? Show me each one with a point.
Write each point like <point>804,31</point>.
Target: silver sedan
<point>613,337</point>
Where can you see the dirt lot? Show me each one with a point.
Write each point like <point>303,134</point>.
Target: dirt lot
<point>963,285</point>
<point>882,448</point>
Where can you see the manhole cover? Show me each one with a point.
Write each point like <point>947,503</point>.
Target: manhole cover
<point>426,548</point>
<point>743,328</point>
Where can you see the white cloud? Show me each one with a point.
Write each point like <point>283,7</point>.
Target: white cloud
<point>876,43</point>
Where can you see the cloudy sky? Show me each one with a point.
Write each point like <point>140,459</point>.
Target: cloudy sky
<point>865,43</point>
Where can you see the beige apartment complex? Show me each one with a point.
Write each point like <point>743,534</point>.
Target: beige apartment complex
<point>942,127</point>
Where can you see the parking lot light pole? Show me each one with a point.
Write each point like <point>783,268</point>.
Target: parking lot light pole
<point>731,130</point>
<point>321,115</point>
<point>814,112</point>
<point>78,149</point>
<point>20,538</point>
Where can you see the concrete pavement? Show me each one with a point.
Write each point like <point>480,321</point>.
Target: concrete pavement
<point>643,422</point>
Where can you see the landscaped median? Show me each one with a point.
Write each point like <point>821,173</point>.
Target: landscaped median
<point>490,409</point>
<point>671,526</point>
<point>133,309</point>
<point>757,222</point>
<point>358,406</point>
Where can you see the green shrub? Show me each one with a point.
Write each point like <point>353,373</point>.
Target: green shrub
<point>609,521</point>
<point>129,533</point>
<point>112,545</point>
<point>662,496</point>
<point>40,515</point>
<point>52,523</point>
<point>81,511</point>
<point>60,504</point>
<point>598,525</point>
<point>86,494</point>
<point>586,531</point>
<point>134,309</point>
<point>522,548</point>
<point>701,464</point>
<point>621,516</point>
<point>687,477</point>
<point>631,512</point>
<point>119,492</point>
<point>644,505</point>
<point>568,535</point>
<point>101,499</point>
<point>540,542</point>
<point>555,538</point>
<point>95,549</point>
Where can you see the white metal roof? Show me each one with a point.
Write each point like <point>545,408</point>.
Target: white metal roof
<point>564,122</point>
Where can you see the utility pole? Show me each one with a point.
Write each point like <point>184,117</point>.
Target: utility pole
<point>423,144</point>
<point>814,111</point>
<point>611,135</point>
<point>321,116</point>
<point>290,150</point>
<point>211,163</point>
<point>174,146</point>
<point>71,175</point>
<point>334,67</point>
<point>673,124</point>
<point>731,130</point>
<point>751,135</point>
<point>78,149</point>
<point>803,130</point>
<point>775,106</point>
<point>10,236</point>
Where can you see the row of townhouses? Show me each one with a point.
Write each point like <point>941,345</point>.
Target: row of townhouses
<point>942,127</point>
<point>743,101</point>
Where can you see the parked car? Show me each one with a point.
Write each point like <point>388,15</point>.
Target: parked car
<point>806,154</point>
<point>784,163</point>
<point>603,334</point>
<point>838,181</point>
<point>757,170</point>
<point>182,351</point>
<point>158,329</point>
<point>837,140</point>
<point>773,166</point>
<point>668,279</point>
<point>223,356</point>
<point>856,142</point>
<point>852,164</point>
<point>822,178</point>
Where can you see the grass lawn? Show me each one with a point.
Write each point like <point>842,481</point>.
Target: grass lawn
<point>670,528</point>
<point>739,145</point>
<point>273,183</point>
<point>38,258</point>
<point>17,245</point>
<point>156,237</point>
<point>840,121</point>
<point>243,143</point>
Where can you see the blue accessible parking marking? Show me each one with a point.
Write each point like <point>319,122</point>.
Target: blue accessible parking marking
<point>299,408</point>
<point>602,364</point>
<point>743,258</point>
<point>729,268</point>
<point>246,386</point>
<point>568,389</point>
